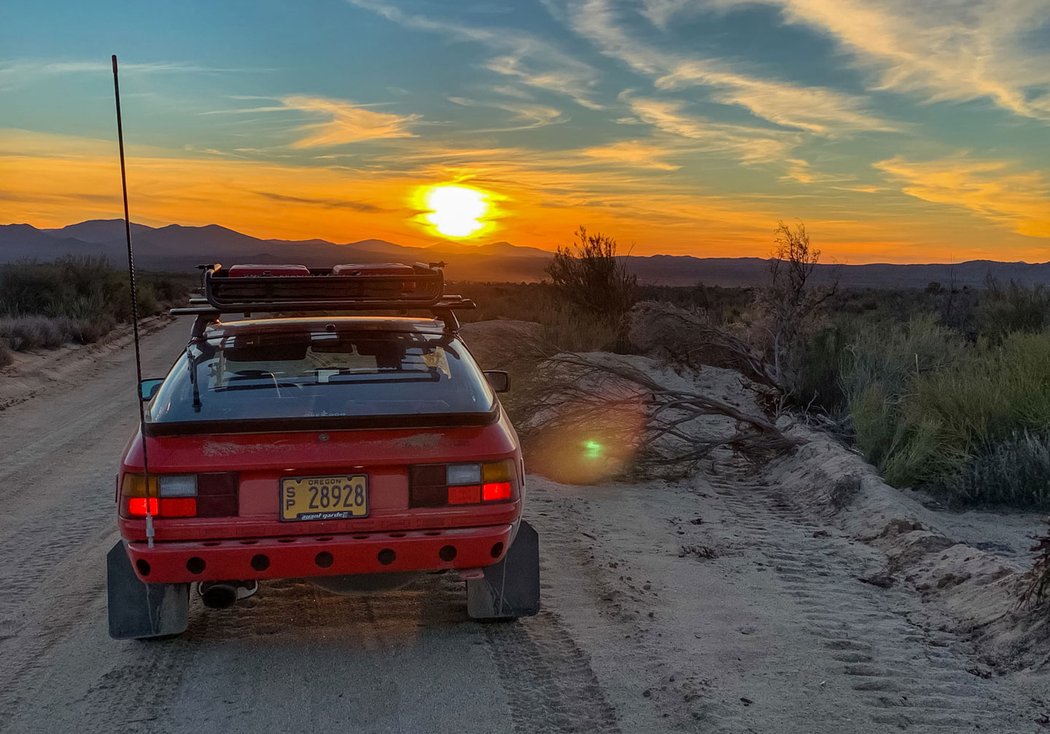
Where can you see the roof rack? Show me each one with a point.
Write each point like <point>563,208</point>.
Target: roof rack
<point>369,287</point>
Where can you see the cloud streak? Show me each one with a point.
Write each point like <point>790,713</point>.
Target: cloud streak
<point>345,123</point>
<point>993,190</point>
<point>750,145</point>
<point>520,56</point>
<point>811,109</point>
<point>17,73</point>
<point>939,50</point>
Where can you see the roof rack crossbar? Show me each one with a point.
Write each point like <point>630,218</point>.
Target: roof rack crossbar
<point>422,287</point>
<point>447,303</point>
<point>419,287</point>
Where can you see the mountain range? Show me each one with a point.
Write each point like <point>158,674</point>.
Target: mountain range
<point>180,248</point>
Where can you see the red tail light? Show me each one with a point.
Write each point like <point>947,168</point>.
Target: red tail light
<point>496,492</point>
<point>137,506</point>
<point>439,485</point>
<point>163,506</point>
<point>180,495</point>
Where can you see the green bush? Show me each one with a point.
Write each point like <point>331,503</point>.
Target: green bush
<point>1012,308</point>
<point>929,409</point>
<point>75,299</point>
<point>815,369</point>
<point>1015,471</point>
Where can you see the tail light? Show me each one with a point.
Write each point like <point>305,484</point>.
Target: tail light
<point>180,495</point>
<point>438,485</point>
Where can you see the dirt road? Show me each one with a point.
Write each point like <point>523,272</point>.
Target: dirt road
<point>705,605</point>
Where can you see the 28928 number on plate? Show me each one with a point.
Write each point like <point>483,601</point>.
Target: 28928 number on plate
<point>324,498</point>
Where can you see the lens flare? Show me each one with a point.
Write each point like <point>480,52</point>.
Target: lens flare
<point>454,210</point>
<point>592,449</point>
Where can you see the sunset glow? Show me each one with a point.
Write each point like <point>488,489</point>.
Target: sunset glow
<point>455,211</point>
<point>903,134</point>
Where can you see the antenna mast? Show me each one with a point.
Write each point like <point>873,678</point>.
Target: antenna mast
<point>134,307</point>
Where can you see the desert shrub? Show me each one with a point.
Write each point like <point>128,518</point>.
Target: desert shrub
<point>1012,308</point>
<point>75,299</point>
<point>35,332</point>
<point>879,368</point>
<point>564,325</point>
<point>89,331</point>
<point>890,355</point>
<point>928,409</point>
<point>791,305</point>
<point>589,275</point>
<point>1013,471</point>
<point>814,377</point>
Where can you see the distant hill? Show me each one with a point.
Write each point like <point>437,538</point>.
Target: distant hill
<point>177,247</point>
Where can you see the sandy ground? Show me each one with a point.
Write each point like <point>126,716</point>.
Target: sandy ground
<point>712,604</point>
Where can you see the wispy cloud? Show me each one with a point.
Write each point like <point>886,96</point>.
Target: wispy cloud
<point>994,190</point>
<point>517,55</point>
<point>745,143</point>
<point>326,202</point>
<point>345,122</point>
<point>941,50</point>
<point>660,12</point>
<point>16,73</point>
<point>528,115</point>
<point>635,153</point>
<point>812,109</point>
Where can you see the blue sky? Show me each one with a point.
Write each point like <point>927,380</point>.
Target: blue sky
<point>897,130</point>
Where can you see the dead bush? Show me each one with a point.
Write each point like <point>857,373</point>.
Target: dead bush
<point>595,416</point>
<point>688,338</point>
<point>590,275</point>
<point>791,304</point>
<point>1038,589</point>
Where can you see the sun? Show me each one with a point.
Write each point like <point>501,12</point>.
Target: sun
<point>454,210</point>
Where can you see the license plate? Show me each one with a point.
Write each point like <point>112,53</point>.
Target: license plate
<point>324,498</point>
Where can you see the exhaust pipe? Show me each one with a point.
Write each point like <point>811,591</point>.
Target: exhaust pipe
<point>218,594</point>
<point>223,594</point>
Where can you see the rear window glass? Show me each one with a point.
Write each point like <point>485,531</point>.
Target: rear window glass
<point>321,374</point>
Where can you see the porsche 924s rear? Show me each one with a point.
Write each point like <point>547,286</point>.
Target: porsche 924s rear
<point>355,451</point>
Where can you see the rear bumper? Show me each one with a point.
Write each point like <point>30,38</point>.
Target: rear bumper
<point>332,555</point>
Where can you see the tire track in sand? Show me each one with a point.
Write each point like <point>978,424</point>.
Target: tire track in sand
<point>904,675</point>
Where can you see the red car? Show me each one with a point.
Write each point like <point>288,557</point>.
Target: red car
<point>356,451</point>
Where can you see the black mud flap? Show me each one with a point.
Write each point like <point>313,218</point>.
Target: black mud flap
<point>137,610</point>
<point>511,588</point>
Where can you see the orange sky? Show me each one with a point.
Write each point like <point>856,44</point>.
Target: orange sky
<point>53,180</point>
<point>895,130</point>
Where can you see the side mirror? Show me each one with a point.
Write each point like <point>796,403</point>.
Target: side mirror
<point>498,379</point>
<point>148,388</point>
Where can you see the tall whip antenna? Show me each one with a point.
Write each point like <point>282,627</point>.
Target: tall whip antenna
<point>134,307</point>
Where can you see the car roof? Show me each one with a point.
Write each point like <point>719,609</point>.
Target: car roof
<point>219,329</point>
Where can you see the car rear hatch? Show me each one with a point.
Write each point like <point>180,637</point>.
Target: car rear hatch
<point>240,485</point>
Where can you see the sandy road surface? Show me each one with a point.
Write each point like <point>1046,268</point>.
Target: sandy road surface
<point>706,605</point>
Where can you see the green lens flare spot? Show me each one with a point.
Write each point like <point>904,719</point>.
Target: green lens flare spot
<point>592,449</point>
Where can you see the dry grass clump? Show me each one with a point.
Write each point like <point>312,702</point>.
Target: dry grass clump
<point>36,332</point>
<point>6,356</point>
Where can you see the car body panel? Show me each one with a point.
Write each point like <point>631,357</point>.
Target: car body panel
<point>416,535</point>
